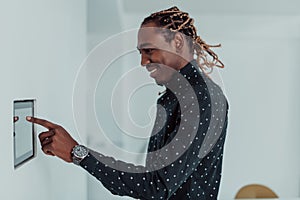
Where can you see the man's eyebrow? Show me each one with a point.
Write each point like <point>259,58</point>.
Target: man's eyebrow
<point>143,46</point>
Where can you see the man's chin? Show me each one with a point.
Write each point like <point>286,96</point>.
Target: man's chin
<point>159,82</point>
<point>163,81</point>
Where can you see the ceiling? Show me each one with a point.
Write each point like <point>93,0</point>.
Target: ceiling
<point>260,7</point>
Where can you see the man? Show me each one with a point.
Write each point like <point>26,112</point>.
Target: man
<point>185,151</point>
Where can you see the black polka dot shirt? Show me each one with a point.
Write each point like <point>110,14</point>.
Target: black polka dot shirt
<point>185,151</point>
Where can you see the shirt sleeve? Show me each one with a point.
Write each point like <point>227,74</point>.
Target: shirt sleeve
<point>142,184</point>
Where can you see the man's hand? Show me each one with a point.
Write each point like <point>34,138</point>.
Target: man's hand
<point>56,141</point>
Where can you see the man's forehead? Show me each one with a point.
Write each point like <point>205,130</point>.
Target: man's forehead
<point>150,36</point>
<point>145,32</point>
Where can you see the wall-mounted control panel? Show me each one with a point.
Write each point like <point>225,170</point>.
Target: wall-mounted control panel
<point>23,131</point>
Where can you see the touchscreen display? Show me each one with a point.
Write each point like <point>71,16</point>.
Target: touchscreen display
<point>24,133</point>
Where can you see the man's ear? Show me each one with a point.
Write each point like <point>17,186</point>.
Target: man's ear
<point>178,42</point>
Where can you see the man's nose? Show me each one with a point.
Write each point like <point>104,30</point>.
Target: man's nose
<point>145,59</point>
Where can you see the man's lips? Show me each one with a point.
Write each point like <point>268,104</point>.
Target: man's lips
<point>152,69</point>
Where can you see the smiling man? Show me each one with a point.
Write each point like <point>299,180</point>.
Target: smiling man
<point>160,56</point>
<point>185,150</point>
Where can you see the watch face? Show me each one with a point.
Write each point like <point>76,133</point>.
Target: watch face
<point>80,151</point>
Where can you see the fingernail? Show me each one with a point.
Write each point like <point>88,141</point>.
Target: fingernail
<point>28,118</point>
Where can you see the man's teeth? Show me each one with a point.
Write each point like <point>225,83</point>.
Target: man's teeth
<point>153,70</point>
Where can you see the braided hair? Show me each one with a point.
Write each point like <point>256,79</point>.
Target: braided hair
<point>173,20</point>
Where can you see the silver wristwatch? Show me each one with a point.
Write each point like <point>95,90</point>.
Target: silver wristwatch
<point>79,152</point>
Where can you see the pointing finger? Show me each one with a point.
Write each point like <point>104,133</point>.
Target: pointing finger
<point>42,122</point>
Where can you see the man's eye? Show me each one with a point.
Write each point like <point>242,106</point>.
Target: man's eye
<point>148,50</point>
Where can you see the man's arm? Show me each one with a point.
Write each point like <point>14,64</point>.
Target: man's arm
<point>159,179</point>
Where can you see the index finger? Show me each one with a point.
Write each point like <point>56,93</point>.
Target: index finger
<point>42,122</point>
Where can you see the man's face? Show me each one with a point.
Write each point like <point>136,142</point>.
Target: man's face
<point>157,55</point>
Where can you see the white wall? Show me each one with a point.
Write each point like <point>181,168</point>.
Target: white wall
<point>42,46</point>
<point>263,140</point>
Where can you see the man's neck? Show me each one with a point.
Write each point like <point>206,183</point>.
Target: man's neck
<point>183,61</point>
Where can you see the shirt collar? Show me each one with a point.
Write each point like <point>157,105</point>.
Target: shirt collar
<point>191,72</point>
